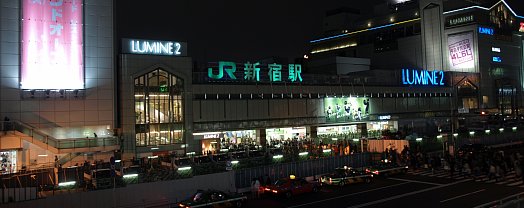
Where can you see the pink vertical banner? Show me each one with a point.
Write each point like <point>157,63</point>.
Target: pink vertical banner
<point>52,44</point>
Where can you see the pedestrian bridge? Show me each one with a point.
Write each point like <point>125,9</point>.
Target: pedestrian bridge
<point>17,132</point>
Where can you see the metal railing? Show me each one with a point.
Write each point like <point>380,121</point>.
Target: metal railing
<point>71,143</point>
<point>516,200</point>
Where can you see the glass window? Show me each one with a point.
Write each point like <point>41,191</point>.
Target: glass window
<point>158,109</point>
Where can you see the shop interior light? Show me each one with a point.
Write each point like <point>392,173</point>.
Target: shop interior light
<point>44,155</point>
<point>224,150</point>
<point>514,128</point>
<point>334,139</point>
<point>326,150</point>
<point>471,133</point>
<point>152,157</point>
<point>455,134</point>
<point>213,142</point>
<point>439,137</point>
<point>487,131</point>
<point>501,129</point>
<point>131,175</point>
<point>154,148</point>
<point>277,156</point>
<point>303,153</point>
<point>184,168</point>
<point>117,161</point>
<point>69,183</point>
<point>234,162</point>
<point>419,139</point>
<point>356,140</point>
<point>190,153</point>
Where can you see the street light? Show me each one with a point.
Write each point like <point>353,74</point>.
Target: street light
<point>487,131</point>
<point>455,135</point>
<point>471,133</point>
<point>501,130</point>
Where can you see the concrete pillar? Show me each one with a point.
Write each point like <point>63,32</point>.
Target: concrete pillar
<point>432,30</point>
<point>261,136</point>
<point>363,127</point>
<point>311,131</point>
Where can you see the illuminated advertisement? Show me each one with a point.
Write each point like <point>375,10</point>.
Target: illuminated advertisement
<point>52,44</point>
<point>347,109</point>
<point>422,77</point>
<point>254,72</point>
<point>461,57</point>
<point>521,28</point>
<point>154,47</point>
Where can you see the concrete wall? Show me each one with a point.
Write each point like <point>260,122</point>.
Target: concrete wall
<point>137,195</point>
<point>97,106</point>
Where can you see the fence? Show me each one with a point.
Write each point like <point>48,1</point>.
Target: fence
<point>516,200</point>
<point>305,168</point>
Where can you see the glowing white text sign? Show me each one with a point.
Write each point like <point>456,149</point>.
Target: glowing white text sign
<point>154,47</point>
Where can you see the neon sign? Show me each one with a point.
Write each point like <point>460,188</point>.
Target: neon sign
<point>521,29</point>
<point>486,30</point>
<point>497,59</point>
<point>253,72</point>
<point>422,77</point>
<point>154,47</point>
<point>495,49</point>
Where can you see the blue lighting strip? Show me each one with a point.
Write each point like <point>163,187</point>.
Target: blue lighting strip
<point>328,38</point>
<point>364,30</point>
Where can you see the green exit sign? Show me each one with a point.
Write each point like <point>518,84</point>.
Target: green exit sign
<point>163,88</point>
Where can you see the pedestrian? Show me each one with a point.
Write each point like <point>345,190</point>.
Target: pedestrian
<point>451,166</point>
<point>255,186</point>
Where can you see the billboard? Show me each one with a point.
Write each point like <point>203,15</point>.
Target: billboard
<point>52,44</point>
<point>346,109</point>
<point>460,48</point>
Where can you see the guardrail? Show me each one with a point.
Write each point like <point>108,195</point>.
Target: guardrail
<point>70,143</point>
<point>516,200</point>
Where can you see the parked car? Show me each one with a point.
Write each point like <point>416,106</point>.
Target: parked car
<point>213,198</point>
<point>346,175</point>
<point>386,169</point>
<point>291,186</point>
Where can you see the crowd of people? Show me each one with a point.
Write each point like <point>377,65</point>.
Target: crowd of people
<point>495,164</point>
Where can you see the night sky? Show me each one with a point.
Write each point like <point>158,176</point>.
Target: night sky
<point>235,30</point>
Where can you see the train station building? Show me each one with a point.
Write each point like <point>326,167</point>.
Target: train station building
<point>76,92</point>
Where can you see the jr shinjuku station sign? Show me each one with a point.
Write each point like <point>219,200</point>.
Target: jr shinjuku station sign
<point>252,72</point>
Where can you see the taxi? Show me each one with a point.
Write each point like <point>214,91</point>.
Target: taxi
<point>387,168</point>
<point>346,175</point>
<point>213,198</point>
<point>291,186</point>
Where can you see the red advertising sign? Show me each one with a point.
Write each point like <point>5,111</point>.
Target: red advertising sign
<point>52,44</point>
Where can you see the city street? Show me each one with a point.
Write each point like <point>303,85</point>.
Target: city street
<point>417,188</point>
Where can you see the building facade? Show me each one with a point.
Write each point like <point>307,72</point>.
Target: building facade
<point>411,69</point>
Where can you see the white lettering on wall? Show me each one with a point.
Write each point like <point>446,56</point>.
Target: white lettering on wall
<point>155,47</point>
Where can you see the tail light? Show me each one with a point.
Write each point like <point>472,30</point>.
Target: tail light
<point>376,172</point>
<point>329,180</point>
<point>267,189</point>
<point>275,191</point>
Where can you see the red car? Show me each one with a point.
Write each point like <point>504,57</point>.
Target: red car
<point>291,186</point>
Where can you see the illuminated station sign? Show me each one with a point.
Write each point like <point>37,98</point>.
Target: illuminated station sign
<point>422,77</point>
<point>154,47</point>
<point>254,72</point>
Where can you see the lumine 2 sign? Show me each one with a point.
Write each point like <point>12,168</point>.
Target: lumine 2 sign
<point>422,77</point>
<point>252,72</point>
<point>154,47</point>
